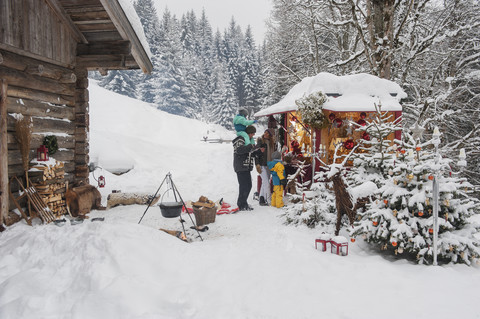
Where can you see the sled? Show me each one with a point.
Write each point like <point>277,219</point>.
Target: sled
<point>226,209</point>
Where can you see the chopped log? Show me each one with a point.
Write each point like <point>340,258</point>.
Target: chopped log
<point>116,199</point>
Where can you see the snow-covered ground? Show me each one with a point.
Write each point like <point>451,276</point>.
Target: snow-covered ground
<point>249,265</point>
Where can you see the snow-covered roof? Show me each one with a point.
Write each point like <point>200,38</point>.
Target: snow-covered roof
<point>131,13</point>
<point>357,92</point>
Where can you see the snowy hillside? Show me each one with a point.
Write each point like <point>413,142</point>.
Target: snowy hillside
<point>249,264</point>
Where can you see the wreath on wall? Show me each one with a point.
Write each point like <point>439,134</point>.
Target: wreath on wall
<point>311,110</point>
<point>51,143</point>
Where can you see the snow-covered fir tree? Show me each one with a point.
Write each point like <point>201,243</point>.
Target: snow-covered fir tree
<point>399,215</point>
<point>122,82</point>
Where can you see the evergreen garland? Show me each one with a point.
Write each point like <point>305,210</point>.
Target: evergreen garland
<point>51,143</point>
<point>311,109</point>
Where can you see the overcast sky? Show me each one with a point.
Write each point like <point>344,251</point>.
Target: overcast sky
<point>220,12</point>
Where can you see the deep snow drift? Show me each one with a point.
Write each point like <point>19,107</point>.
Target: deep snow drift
<point>250,265</point>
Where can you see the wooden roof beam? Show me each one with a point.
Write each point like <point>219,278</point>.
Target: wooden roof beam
<point>106,62</point>
<point>127,32</point>
<point>105,48</point>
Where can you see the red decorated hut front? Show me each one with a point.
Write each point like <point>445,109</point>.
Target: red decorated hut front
<point>345,100</point>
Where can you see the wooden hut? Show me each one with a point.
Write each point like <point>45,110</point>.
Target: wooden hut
<point>348,98</point>
<point>47,48</point>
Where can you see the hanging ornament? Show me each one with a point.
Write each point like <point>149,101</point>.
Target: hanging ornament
<point>395,182</point>
<point>446,217</point>
<point>374,223</point>
<point>366,136</point>
<point>403,151</point>
<point>447,203</point>
<point>427,201</point>
<point>430,177</point>
<point>394,243</point>
<point>450,248</point>
<point>410,177</point>
<point>390,172</point>
<point>430,230</point>
<point>362,122</point>
<point>429,212</point>
<point>420,213</point>
<point>400,250</point>
<point>462,254</point>
<point>352,239</point>
<point>395,212</point>
<point>385,201</point>
<point>364,236</point>
<point>349,144</point>
<point>418,148</point>
<point>396,251</point>
<point>337,123</point>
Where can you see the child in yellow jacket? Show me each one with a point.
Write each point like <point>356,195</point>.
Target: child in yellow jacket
<point>278,178</point>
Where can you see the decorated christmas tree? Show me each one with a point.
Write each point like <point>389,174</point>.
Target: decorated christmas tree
<point>399,216</point>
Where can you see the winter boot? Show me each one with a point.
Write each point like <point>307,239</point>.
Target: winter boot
<point>255,196</point>
<point>262,201</point>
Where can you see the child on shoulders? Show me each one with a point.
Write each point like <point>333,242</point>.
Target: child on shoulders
<point>240,122</point>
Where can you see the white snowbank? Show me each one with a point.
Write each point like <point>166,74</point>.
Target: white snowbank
<point>250,265</point>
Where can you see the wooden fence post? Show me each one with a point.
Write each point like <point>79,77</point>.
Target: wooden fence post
<point>3,152</point>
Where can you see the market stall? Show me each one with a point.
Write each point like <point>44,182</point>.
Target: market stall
<point>340,102</point>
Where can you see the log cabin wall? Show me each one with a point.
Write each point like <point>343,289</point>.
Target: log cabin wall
<point>37,56</point>
<point>33,28</point>
<point>82,124</point>
<point>46,49</point>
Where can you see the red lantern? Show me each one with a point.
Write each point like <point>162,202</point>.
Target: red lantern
<point>337,123</point>
<point>418,148</point>
<point>430,230</point>
<point>362,122</point>
<point>363,115</point>
<point>331,116</point>
<point>349,144</point>
<point>394,243</point>
<point>101,181</point>
<point>42,153</point>
<point>366,136</point>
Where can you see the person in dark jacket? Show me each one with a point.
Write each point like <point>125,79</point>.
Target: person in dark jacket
<point>243,156</point>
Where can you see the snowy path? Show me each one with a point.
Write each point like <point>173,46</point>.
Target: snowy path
<point>250,265</point>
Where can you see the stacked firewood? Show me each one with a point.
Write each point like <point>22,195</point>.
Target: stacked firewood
<point>49,180</point>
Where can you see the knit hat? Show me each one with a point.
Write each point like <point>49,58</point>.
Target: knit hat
<point>250,129</point>
<point>270,131</point>
<point>276,155</point>
<point>243,112</point>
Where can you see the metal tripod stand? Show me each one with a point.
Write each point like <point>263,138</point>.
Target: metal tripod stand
<point>173,187</point>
